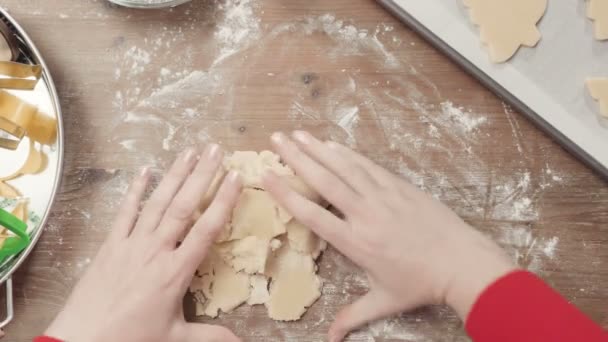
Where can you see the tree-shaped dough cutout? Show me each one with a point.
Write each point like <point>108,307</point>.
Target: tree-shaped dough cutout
<point>598,12</point>
<point>598,87</point>
<point>505,25</point>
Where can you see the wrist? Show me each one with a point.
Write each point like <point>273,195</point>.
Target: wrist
<point>66,328</point>
<point>483,262</point>
<point>58,330</point>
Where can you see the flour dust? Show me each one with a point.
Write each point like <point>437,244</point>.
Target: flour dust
<point>166,101</point>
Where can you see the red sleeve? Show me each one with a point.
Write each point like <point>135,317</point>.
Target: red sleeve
<point>521,307</point>
<point>46,339</point>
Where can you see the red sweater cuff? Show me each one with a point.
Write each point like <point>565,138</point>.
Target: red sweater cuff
<point>46,339</point>
<point>521,307</point>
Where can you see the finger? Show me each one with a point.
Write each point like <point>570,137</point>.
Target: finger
<point>310,214</point>
<point>368,308</point>
<point>332,188</point>
<point>129,209</point>
<point>345,168</point>
<point>163,195</point>
<point>382,176</point>
<point>179,214</point>
<point>197,332</point>
<point>198,241</point>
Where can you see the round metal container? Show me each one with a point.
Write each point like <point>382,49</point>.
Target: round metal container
<point>149,3</point>
<point>44,95</point>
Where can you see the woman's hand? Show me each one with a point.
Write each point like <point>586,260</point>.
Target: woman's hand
<point>415,250</point>
<point>133,291</point>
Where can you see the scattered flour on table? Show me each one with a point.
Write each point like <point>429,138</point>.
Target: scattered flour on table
<point>465,120</point>
<point>393,328</point>
<point>528,250</point>
<point>238,30</point>
<point>138,59</point>
<point>129,144</point>
<point>163,99</point>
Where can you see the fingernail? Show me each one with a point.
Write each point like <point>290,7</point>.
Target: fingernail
<point>301,136</point>
<point>189,155</point>
<point>233,176</point>
<point>145,171</point>
<point>277,137</point>
<point>212,151</point>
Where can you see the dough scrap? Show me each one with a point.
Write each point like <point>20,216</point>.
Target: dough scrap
<point>598,87</point>
<point>263,256</point>
<point>259,290</point>
<point>256,214</point>
<point>303,240</point>
<point>223,288</point>
<point>248,254</point>
<point>252,166</point>
<point>505,25</point>
<point>597,11</point>
<point>295,285</point>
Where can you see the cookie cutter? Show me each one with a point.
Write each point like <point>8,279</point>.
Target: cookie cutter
<point>18,118</point>
<point>12,246</point>
<point>21,76</point>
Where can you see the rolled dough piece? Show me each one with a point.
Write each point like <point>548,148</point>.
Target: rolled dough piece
<point>256,214</point>
<point>598,87</point>
<point>598,12</point>
<point>261,245</point>
<point>303,240</point>
<point>259,290</point>
<point>295,285</point>
<point>505,25</point>
<point>252,166</point>
<point>248,254</point>
<point>224,288</point>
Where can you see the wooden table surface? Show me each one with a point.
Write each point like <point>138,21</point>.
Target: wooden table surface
<point>136,87</point>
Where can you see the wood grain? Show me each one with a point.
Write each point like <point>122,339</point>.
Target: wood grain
<point>290,80</point>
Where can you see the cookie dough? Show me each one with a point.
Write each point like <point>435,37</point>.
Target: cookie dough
<point>221,286</point>
<point>256,214</point>
<point>506,25</point>
<point>303,240</point>
<point>598,87</point>
<point>263,256</point>
<point>598,12</point>
<point>294,286</point>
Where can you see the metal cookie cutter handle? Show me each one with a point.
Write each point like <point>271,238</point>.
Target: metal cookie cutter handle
<point>9,303</point>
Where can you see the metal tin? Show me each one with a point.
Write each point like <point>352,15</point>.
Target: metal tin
<point>9,47</point>
<point>28,53</point>
<point>149,4</point>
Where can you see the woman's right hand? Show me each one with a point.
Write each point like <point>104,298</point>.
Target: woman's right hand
<point>415,250</point>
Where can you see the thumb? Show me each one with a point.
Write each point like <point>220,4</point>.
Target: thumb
<point>371,307</point>
<point>197,332</point>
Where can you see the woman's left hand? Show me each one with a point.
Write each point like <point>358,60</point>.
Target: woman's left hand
<point>134,288</point>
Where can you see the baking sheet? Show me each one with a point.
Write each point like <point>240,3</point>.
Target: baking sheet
<point>546,83</point>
